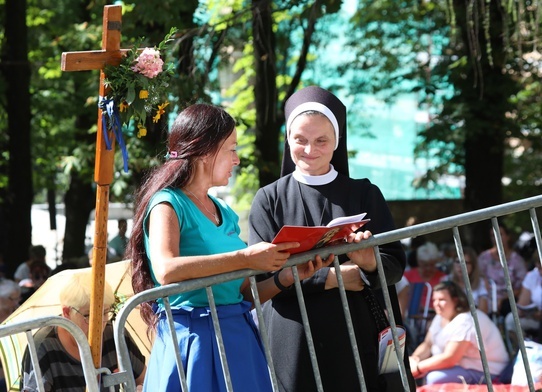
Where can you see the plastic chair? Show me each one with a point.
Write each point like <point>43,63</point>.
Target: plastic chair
<point>493,302</point>
<point>418,313</point>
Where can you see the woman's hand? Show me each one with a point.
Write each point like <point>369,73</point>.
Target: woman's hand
<point>363,258</point>
<point>265,256</point>
<point>306,270</point>
<point>414,367</point>
<point>351,277</point>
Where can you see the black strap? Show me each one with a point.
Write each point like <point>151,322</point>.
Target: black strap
<point>375,308</point>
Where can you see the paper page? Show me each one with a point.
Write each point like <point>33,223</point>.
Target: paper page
<point>347,219</point>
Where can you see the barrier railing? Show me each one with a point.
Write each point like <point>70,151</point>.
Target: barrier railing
<point>90,372</point>
<point>125,378</point>
<point>451,223</point>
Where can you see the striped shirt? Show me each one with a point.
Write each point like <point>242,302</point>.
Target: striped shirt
<point>63,373</point>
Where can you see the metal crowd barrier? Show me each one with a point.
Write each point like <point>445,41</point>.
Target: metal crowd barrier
<point>125,378</point>
<point>452,223</point>
<point>90,372</point>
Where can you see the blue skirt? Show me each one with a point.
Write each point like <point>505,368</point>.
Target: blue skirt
<point>199,352</point>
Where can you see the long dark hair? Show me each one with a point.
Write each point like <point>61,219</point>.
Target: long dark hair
<point>199,130</point>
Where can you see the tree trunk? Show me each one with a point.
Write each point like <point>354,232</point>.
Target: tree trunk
<point>485,93</point>
<point>80,198</point>
<point>16,70</point>
<point>79,202</point>
<point>265,92</point>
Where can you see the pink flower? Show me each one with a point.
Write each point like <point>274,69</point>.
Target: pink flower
<point>148,63</point>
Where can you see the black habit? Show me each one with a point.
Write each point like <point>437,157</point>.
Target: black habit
<point>289,202</point>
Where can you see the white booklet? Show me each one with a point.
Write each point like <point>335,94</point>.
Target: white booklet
<point>347,219</point>
<point>387,359</point>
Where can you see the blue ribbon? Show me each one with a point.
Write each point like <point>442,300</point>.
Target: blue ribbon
<point>111,112</point>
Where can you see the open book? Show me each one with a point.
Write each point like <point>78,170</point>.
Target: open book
<point>315,237</point>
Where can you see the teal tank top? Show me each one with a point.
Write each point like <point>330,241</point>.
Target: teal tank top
<point>199,237</point>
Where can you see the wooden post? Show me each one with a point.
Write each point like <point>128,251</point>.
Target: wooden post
<point>111,54</point>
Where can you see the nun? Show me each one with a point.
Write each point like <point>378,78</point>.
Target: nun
<point>314,188</point>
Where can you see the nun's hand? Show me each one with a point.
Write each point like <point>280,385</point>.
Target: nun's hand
<point>363,258</point>
<point>350,276</point>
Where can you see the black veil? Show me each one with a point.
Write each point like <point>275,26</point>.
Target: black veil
<point>324,97</point>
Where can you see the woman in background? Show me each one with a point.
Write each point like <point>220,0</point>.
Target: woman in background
<point>449,353</point>
<point>477,283</point>
<point>490,268</point>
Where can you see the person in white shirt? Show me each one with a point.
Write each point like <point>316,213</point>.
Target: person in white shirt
<point>529,307</point>
<point>450,351</point>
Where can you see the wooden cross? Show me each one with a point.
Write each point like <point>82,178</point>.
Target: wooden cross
<point>111,54</point>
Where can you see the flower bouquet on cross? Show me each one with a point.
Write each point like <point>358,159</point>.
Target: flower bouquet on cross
<point>138,89</point>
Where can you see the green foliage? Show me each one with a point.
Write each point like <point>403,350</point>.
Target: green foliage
<point>64,104</point>
<point>58,134</point>
<point>523,162</point>
<point>216,36</point>
<point>290,24</point>
<point>246,181</point>
<point>392,47</point>
<point>418,48</point>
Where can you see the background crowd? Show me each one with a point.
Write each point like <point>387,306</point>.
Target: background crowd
<point>442,353</point>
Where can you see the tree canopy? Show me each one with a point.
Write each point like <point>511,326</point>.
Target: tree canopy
<point>474,66</point>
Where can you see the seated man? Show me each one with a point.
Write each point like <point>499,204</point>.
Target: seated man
<point>57,349</point>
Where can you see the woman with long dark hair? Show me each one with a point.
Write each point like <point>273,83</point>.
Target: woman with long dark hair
<point>181,232</point>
